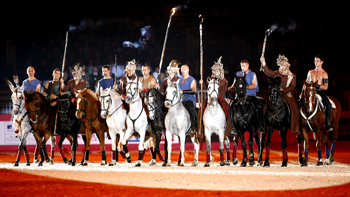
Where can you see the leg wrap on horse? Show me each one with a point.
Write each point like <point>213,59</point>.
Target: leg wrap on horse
<point>221,154</point>
<point>208,156</point>
<point>74,156</point>
<point>267,154</point>
<point>228,156</point>
<point>319,153</point>
<point>141,153</point>
<point>300,151</point>
<point>61,152</point>
<point>234,152</point>
<point>113,155</point>
<point>86,155</point>
<point>327,152</point>
<point>122,154</point>
<point>104,157</point>
<point>18,156</point>
<point>332,148</point>
<point>306,152</point>
<point>52,153</point>
<point>285,154</point>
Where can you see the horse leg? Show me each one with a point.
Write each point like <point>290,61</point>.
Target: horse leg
<point>74,148</point>
<point>306,146</point>
<point>283,134</point>
<point>300,151</point>
<point>331,159</point>
<point>227,145</point>
<point>244,148</point>
<point>234,151</point>
<point>182,137</point>
<point>53,143</point>
<point>101,138</point>
<point>208,143</point>
<point>142,140</point>
<point>269,131</point>
<point>195,142</point>
<point>169,144</point>
<point>125,147</point>
<point>251,151</point>
<point>221,148</point>
<point>318,146</point>
<point>261,148</point>
<point>26,155</point>
<point>114,146</point>
<point>20,148</point>
<point>88,134</point>
<point>158,139</point>
<point>120,146</point>
<point>60,147</point>
<point>325,142</point>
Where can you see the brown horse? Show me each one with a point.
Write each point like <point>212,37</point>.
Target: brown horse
<point>42,120</point>
<point>88,110</point>
<point>313,118</point>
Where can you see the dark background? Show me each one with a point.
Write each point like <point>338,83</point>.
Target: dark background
<point>34,34</point>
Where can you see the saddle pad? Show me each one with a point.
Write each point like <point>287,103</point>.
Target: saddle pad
<point>330,100</point>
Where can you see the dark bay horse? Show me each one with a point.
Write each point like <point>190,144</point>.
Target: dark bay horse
<point>42,121</point>
<point>156,113</point>
<point>277,116</point>
<point>245,118</point>
<point>68,124</point>
<point>88,110</point>
<point>313,119</point>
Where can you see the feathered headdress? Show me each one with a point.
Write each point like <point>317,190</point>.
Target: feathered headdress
<point>131,65</point>
<point>282,58</point>
<point>78,69</point>
<point>174,65</point>
<point>218,66</point>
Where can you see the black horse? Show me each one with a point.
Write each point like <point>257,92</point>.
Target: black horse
<point>246,118</point>
<point>68,124</point>
<point>277,116</point>
<point>156,113</point>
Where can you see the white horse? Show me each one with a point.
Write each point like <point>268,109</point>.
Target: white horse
<point>214,120</point>
<point>113,111</point>
<point>177,122</point>
<point>136,119</point>
<point>20,120</point>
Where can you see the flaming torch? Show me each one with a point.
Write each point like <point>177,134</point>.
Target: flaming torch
<point>201,69</point>
<point>173,10</point>
<point>267,32</point>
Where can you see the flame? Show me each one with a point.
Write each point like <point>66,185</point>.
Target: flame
<point>173,10</point>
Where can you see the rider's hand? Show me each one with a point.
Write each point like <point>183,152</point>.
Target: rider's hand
<point>262,60</point>
<point>200,81</point>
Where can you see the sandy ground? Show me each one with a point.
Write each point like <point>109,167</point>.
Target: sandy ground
<point>215,177</point>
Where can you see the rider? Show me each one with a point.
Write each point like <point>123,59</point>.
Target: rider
<point>148,81</point>
<point>321,77</point>
<point>31,84</point>
<point>288,82</point>
<point>106,81</point>
<point>173,71</point>
<point>218,73</point>
<point>130,73</point>
<point>252,88</point>
<point>77,83</point>
<point>188,86</point>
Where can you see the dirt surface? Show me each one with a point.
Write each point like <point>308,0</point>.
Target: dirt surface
<point>174,180</point>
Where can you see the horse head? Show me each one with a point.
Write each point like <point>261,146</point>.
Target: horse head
<point>173,94</point>
<point>63,105</point>
<point>213,90</point>
<point>241,89</point>
<point>310,96</point>
<point>17,96</point>
<point>36,103</point>
<point>275,92</point>
<point>80,95</point>
<point>132,92</point>
<point>152,102</point>
<point>106,101</point>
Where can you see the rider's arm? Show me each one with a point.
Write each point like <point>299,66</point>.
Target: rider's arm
<point>253,85</point>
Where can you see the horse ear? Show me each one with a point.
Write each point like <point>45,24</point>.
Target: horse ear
<point>8,82</point>
<point>20,88</point>
<point>208,79</point>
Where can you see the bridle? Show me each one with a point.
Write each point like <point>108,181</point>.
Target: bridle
<point>109,101</point>
<point>149,106</point>
<point>129,90</point>
<point>175,95</point>
<point>241,90</point>
<point>19,100</point>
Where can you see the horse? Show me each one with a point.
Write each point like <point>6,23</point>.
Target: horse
<point>88,110</point>
<point>313,118</point>
<point>214,120</point>
<point>156,114</point>
<point>19,120</point>
<point>177,122</point>
<point>68,124</point>
<point>136,119</point>
<point>114,112</point>
<point>41,116</point>
<point>277,116</point>
<point>245,118</point>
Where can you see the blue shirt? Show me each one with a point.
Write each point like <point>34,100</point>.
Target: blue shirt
<point>104,83</point>
<point>30,85</point>
<point>187,86</point>
<point>249,78</point>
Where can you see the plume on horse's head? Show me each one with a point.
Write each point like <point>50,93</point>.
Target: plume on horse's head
<point>241,88</point>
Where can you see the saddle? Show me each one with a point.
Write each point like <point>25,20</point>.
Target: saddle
<point>330,100</point>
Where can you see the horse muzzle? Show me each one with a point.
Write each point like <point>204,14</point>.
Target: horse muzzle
<point>128,99</point>
<point>79,114</point>
<point>104,114</point>
<point>167,104</point>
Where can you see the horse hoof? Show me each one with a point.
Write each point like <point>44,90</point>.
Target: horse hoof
<point>65,160</point>
<point>326,162</point>
<point>51,163</point>
<point>103,163</point>
<point>181,164</point>
<point>207,164</point>
<point>267,164</point>
<point>251,163</point>
<point>128,159</point>
<point>152,162</point>
<point>260,163</point>
<point>227,163</point>
<point>84,164</point>
<point>244,164</point>
<point>164,164</point>
<point>48,159</point>
<point>16,164</point>
<point>304,164</point>
<point>319,163</point>
<point>235,161</point>
<point>211,158</point>
<point>27,164</point>
<point>195,163</point>
<point>222,163</point>
<point>138,163</point>
<point>284,164</point>
<point>301,159</point>
<point>40,164</point>
<point>36,160</point>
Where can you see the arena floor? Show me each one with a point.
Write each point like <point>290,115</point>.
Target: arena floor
<point>125,179</point>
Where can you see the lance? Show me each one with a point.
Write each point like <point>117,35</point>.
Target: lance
<point>267,32</point>
<point>173,10</point>
<point>201,68</point>
<point>115,66</point>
